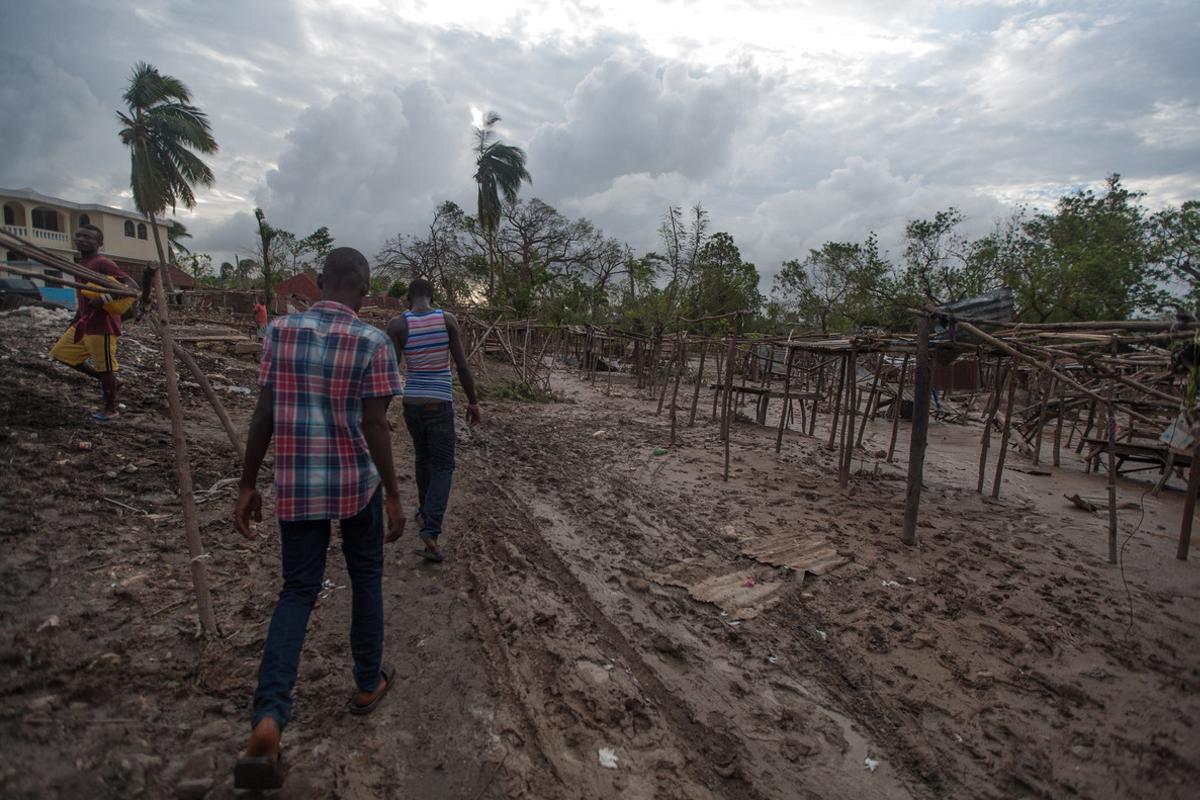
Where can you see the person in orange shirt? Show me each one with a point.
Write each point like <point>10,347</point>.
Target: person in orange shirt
<point>260,317</point>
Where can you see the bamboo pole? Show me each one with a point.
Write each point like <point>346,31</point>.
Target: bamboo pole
<point>993,406</point>
<point>671,370</point>
<point>920,429</point>
<point>1112,474</point>
<point>696,391</point>
<point>1041,423</point>
<point>206,388</point>
<point>680,363</point>
<point>725,421</point>
<point>847,452</point>
<point>1058,426</point>
<point>870,399</point>
<point>837,403</point>
<point>787,399</point>
<point>183,470</point>
<point>896,408</point>
<point>717,390</point>
<point>1189,505</point>
<point>1008,409</point>
<point>812,423</point>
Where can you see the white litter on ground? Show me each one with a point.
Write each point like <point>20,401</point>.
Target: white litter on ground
<point>608,758</point>
<point>870,764</point>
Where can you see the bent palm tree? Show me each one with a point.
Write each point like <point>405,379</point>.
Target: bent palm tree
<point>499,170</point>
<point>176,232</point>
<point>162,129</point>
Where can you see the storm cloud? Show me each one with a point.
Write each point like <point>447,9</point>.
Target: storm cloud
<point>793,123</point>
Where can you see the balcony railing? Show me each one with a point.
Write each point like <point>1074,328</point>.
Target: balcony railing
<point>16,230</point>
<point>54,236</point>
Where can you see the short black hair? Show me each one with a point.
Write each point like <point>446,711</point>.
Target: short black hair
<point>344,264</point>
<point>94,229</point>
<point>420,288</point>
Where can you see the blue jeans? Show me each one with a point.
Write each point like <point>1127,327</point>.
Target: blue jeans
<point>432,429</point>
<point>304,544</point>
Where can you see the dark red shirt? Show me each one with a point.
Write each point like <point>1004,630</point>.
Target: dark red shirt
<point>260,314</point>
<point>97,321</point>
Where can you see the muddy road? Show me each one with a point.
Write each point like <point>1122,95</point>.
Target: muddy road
<point>609,622</point>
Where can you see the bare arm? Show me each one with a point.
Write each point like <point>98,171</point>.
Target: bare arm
<point>378,434</point>
<point>262,427</point>
<point>460,359</point>
<point>397,331</point>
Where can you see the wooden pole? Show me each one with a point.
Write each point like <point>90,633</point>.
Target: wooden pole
<point>837,403</point>
<point>812,423</point>
<point>1008,409</point>
<point>206,388</point>
<point>717,390</point>
<point>1189,505</point>
<point>986,442</point>
<point>1058,426</point>
<point>920,429</point>
<point>851,412</point>
<point>725,424</point>
<point>696,391</point>
<point>1112,474</point>
<point>183,469</point>
<point>787,399</point>
<point>671,370</point>
<point>680,362</point>
<point>896,407</point>
<point>1041,423</point>
<point>1091,421</point>
<point>870,399</point>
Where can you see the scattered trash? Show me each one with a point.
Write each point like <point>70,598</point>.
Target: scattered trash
<point>608,758</point>
<point>911,579</point>
<point>1085,505</point>
<point>749,583</point>
<point>660,451</point>
<point>823,636</point>
<point>84,445</point>
<point>870,764</point>
<point>772,659</point>
<point>891,585</point>
<point>599,434</point>
<point>52,621</point>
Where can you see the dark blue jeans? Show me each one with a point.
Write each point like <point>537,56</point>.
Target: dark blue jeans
<point>304,545</point>
<point>432,430</point>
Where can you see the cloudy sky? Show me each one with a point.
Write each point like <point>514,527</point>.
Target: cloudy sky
<point>794,122</point>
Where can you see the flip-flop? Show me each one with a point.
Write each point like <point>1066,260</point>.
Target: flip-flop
<point>436,556</point>
<point>389,675</point>
<point>258,772</point>
<point>103,416</point>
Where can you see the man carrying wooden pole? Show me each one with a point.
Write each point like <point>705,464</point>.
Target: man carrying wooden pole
<point>920,429</point>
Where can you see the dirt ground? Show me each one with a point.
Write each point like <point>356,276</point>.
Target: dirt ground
<point>1001,658</point>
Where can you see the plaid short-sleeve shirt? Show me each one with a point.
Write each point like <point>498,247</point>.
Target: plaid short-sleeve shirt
<point>320,366</point>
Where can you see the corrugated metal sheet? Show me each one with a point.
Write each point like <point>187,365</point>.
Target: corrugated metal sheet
<point>993,306</point>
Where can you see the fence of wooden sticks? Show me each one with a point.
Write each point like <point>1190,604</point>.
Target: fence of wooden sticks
<point>1115,393</point>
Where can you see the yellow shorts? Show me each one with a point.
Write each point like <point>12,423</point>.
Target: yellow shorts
<point>100,348</point>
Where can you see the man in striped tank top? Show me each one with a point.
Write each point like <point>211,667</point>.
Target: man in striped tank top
<point>426,338</point>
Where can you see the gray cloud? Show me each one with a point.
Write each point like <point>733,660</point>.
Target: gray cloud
<point>361,120</point>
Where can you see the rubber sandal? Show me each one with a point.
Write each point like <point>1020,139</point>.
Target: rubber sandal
<point>101,416</point>
<point>258,772</point>
<point>436,556</point>
<point>389,675</point>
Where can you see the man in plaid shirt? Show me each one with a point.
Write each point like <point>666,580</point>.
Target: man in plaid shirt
<point>327,379</point>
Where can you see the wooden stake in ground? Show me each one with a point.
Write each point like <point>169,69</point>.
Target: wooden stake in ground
<point>671,369</point>
<point>725,422</point>
<point>1041,423</point>
<point>837,403</point>
<point>680,364</point>
<point>920,429</point>
<point>851,413</point>
<point>986,441</point>
<point>896,407</point>
<point>787,399</point>
<point>717,386</point>
<point>183,469</point>
<point>696,391</point>
<point>1112,475</point>
<point>1008,409</point>
<point>1058,426</point>
<point>867,410</point>
<point>206,388</point>
<point>1189,505</point>
<point>812,423</point>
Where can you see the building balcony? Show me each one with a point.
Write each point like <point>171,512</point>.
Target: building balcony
<point>52,236</point>
<point>16,230</point>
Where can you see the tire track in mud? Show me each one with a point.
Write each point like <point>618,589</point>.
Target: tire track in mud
<point>680,756</point>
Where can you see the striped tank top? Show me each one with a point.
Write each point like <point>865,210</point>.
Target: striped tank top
<point>427,356</point>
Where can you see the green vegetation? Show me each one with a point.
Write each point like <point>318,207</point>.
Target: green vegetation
<point>515,390</point>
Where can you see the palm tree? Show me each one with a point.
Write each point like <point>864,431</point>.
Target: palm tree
<point>176,231</point>
<point>499,170</point>
<point>162,129</point>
